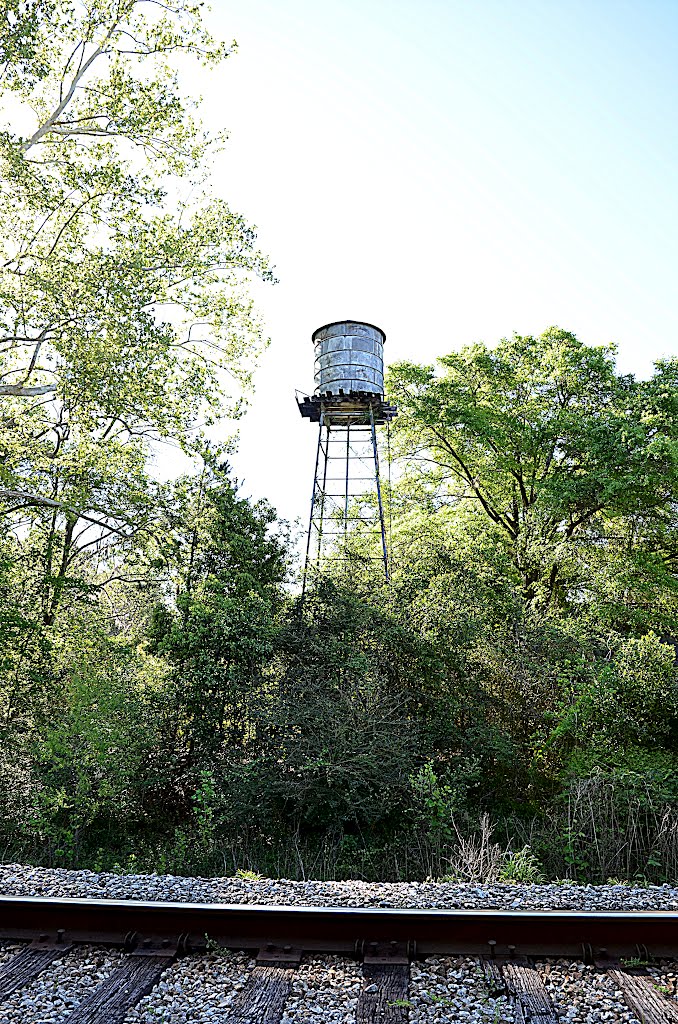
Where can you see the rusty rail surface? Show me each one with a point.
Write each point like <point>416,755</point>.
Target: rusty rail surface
<point>377,934</point>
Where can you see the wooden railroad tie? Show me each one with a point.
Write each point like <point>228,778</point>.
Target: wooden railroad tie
<point>531,1001</point>
<point>383,998</point>
<point>263,997</point>
<point>642,995</point>
<point>121,990</point>
<point>27,964</point>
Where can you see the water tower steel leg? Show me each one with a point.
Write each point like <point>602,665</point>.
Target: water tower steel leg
<point>310,522</point>
<point>348,462</point>
<point>323,491</point>
<point>381,507</point>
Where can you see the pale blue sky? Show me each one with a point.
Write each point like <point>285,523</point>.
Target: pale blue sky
<point>451,171</point>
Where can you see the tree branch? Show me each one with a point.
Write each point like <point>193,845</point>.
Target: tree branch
<point>36,499</point>
<point>27,392</point>
<point>58,111</point>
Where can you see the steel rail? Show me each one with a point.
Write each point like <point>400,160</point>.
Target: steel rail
<point>341,930</point>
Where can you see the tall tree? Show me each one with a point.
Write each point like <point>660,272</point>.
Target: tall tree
<point>124,305</point>
<point>226,558</point>
<point>560,453</point>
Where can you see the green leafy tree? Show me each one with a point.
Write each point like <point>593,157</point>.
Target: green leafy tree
<point>124,306</point>
<point>339,731</point>
<point>125,315</point>
<point>630,700</point>
<point>20,41</point>
<point>94,789</point>
<point>561,454</point>
<point>227,564</point>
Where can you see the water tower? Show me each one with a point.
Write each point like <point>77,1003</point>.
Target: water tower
<point>348,406</point>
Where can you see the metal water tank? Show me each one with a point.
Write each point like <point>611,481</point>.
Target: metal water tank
<point>349,356</point>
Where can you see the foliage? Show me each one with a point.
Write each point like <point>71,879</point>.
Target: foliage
<point>476,858</point>
<point>522,867</point>
<point>630,701</point>
<point>562,455</point>
<point>345,718</point>
<point>125,320</point>
<point>622,823</point>
<point>217,633</point>
<point>123,305</point>
<point>505,709</point>
<point>90,761</point>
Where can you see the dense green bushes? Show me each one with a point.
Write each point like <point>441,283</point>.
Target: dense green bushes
<point>337,736</point>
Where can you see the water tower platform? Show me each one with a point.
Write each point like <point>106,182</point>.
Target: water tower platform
<point>352,405</point>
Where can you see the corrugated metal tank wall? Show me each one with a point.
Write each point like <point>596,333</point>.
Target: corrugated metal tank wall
<point>349,356</point>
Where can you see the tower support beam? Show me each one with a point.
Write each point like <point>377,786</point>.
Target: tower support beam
<point>347,518</point>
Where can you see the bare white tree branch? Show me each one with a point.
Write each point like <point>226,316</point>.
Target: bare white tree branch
<point>27,392</point>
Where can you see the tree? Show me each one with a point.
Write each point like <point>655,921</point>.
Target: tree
<point>228,563</point>
<point>124,307</point>
<point>561,454</point>
<point>19,41</point>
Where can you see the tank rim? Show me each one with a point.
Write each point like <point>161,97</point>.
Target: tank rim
<point>363,323</point>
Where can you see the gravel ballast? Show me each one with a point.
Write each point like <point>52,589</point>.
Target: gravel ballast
<point>23,880</point>
<point>59,989</point>
<point>445,989</point>
<point>194,990</point>
<point>583,995</point>
<point>324,989</point>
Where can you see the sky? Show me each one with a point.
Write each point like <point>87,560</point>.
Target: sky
<point>452,172</point>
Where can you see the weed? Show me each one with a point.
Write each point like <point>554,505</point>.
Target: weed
<point>440,1000</point>
<point>635,961</point>
<point>475,858</point>
<point>522,866</point>
<point>248,876</point>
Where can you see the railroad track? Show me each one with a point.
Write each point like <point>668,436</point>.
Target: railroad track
<point>505,951</point>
